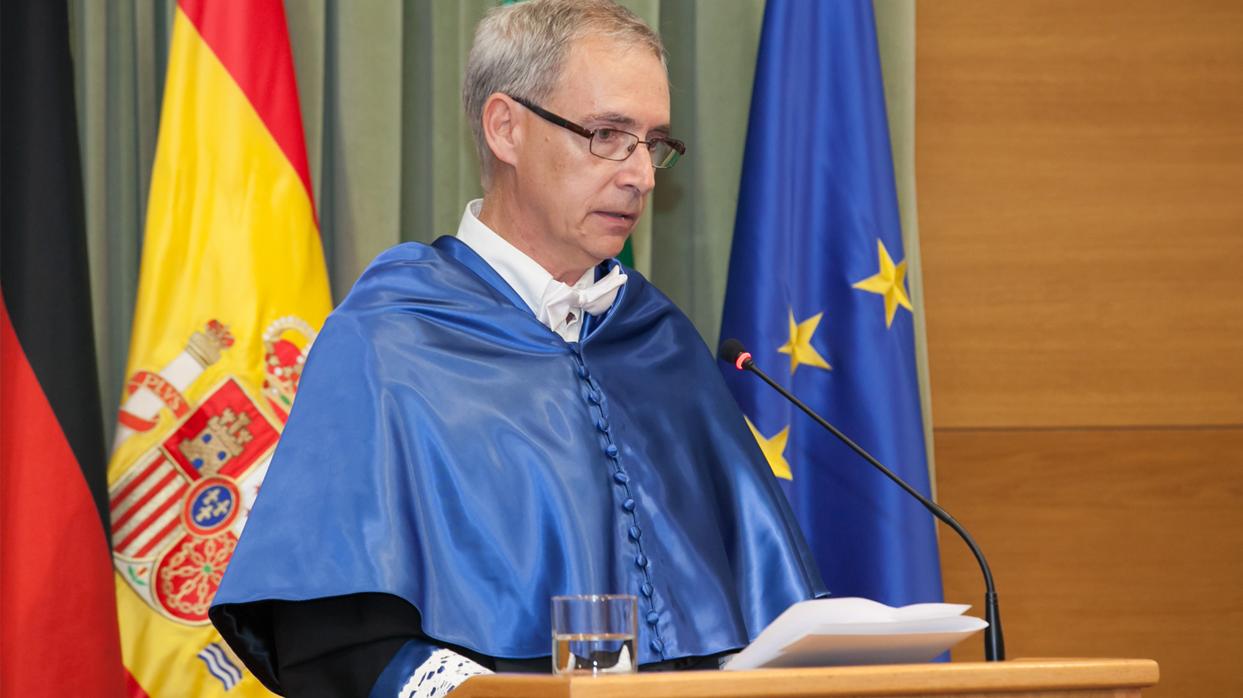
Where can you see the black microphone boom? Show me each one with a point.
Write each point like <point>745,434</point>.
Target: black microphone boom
<point>735,353</point>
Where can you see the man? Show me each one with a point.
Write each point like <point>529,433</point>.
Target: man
<point>507,415</point>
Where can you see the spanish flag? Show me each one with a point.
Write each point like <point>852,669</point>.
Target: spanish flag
<point>231,292</point>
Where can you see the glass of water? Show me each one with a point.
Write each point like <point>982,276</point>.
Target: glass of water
<point>594,634</point>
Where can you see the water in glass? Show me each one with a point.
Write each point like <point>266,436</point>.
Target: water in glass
<point>594,653</point>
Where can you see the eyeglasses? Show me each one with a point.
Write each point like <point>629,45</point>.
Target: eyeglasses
<point>612,143</point>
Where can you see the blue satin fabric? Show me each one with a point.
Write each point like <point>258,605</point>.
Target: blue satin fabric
<point>447,448</point>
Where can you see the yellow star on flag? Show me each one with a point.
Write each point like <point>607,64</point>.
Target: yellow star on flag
<point>799,347</point>
<point>889,282</point>
<point>774,450</point>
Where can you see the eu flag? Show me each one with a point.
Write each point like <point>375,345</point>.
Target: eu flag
<point>817,292</point>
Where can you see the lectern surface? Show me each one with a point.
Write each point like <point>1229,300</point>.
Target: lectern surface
<point>1026,678</point>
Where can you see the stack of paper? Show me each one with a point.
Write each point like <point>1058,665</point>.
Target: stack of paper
<point>835,632</point>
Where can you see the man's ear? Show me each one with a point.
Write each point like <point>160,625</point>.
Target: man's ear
<point>502,127</point>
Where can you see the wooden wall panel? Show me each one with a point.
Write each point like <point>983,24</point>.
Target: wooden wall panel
<point>1080,175</point>
<point>1105,543</point>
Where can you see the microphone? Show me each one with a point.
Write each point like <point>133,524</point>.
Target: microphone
<point>735,353</point>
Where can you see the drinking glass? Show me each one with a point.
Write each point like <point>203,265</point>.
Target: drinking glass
<point>594,634</point>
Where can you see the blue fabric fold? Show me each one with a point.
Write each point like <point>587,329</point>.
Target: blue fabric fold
<point>449,449</point>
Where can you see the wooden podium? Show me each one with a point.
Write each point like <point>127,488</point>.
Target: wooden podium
<point>1028,678</point>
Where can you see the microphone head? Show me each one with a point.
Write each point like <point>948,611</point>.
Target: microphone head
<point>730,350</point>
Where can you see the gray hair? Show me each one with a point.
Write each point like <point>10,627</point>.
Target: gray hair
<point>520,50</point>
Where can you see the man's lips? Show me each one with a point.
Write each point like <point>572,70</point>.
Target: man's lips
<point>625,216</point>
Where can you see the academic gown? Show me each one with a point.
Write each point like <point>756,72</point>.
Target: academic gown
<point>448,450</point>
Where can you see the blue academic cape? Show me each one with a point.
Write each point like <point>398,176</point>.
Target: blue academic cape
<point>450,450</point>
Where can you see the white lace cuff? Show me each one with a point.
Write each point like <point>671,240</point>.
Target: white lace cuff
<point>443,671</point>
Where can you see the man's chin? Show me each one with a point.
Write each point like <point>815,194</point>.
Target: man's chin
<point>614,248</point>
<point>607,241</point>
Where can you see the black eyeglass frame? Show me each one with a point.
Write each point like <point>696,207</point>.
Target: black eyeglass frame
<point>678,148</point>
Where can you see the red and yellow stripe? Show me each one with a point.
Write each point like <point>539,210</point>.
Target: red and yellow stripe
<point>231,235</point>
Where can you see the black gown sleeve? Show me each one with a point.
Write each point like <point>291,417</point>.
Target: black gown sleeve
<point>338,646</point>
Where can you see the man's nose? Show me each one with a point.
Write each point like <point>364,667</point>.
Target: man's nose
<point>637,170</point>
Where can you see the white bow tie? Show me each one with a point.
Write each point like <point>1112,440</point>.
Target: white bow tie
<point>561,300</point>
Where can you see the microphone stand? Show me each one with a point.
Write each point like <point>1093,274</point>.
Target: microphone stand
<point>994,642</point>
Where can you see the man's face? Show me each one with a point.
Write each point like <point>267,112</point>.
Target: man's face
<point>587,206</point>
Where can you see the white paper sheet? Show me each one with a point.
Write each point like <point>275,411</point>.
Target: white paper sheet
<point>835,632</point>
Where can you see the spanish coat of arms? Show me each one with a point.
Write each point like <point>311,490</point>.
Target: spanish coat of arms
<point>178,509</point>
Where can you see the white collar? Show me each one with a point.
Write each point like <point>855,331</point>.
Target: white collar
<point>524,275</point>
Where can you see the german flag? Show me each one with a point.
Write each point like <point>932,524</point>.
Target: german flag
<point>58,626</point>
<point>232,290</point>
